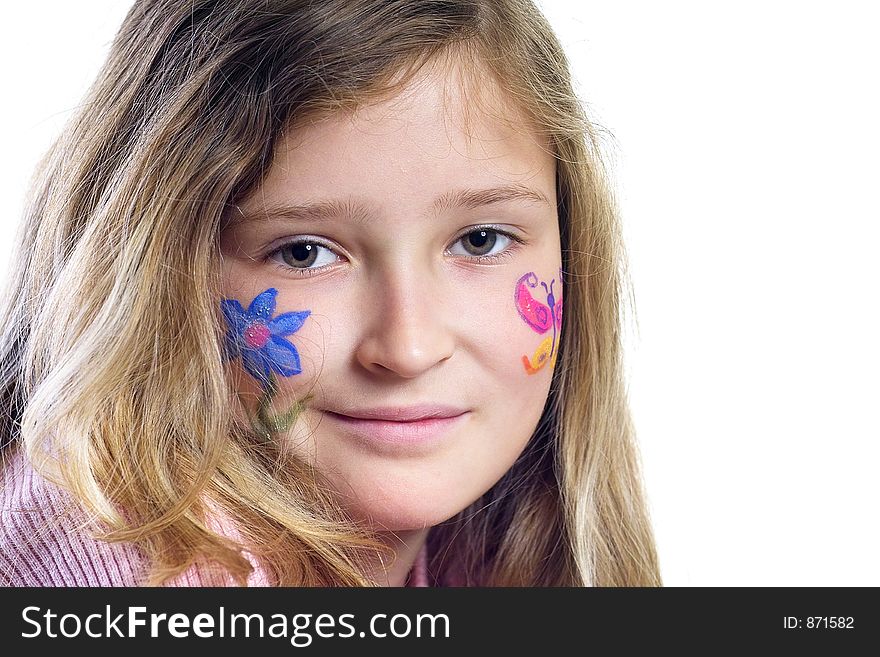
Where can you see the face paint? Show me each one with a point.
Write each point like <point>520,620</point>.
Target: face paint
<point>541,317</point>
<point>259,339</point>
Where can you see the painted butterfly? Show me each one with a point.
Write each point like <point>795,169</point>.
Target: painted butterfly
<point>541,317</point>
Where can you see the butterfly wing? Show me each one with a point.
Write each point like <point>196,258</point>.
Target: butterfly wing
<point>536,314</point>
<point>542,355</point>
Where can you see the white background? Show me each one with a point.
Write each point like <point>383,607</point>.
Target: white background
<point>745,144</point>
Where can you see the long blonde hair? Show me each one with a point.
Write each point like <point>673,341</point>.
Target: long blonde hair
<point>112,376</point>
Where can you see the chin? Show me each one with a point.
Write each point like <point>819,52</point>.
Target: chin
<point>386,509</point>
<point>401,520</point>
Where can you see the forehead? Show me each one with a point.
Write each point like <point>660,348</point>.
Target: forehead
<point>441,130</point>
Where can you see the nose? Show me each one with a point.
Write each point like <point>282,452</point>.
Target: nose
<point>408,329</point>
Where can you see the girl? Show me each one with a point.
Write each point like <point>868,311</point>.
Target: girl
<point>288,304</point>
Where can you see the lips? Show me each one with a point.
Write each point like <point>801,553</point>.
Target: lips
<point>412,413</point>
<point>399,428</point>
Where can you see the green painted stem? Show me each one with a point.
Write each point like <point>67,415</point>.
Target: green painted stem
<point>271,423</point>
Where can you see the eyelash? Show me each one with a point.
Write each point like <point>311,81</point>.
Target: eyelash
<point>516,242</point>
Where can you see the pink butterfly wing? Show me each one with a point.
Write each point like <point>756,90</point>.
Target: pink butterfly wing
<point>534,313</point>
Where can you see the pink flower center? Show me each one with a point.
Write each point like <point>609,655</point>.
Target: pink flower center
<point>256,335</point>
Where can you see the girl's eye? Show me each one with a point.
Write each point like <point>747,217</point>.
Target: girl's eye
<point>481,242</point>
<point>306,256</point>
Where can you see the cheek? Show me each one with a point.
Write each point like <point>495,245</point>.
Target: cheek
<point>539,304</point>
<point>532,314</point>
<point>292,349</point>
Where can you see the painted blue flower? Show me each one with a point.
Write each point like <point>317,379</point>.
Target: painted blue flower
<point>259,338</point>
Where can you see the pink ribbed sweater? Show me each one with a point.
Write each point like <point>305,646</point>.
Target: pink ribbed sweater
<point>40,544</point>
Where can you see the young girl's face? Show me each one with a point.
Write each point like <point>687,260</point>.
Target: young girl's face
<point>419,237</point>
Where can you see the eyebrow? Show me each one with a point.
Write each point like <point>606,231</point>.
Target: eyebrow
<point>472,199</point>
<point>360,213</point>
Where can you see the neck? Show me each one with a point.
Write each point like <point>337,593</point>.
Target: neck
<point>406,546</point>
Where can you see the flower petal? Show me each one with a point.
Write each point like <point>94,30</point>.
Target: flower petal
<point>256,364</point>
<point>288,322</point>
<point>282,356</point>
<point>235,315</point>
<point>263,305</point>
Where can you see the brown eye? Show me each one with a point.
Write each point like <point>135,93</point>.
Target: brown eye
<point>483,243</point>
<point>304,256</point>
<point>301,254</point>
<point>479,242</point>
